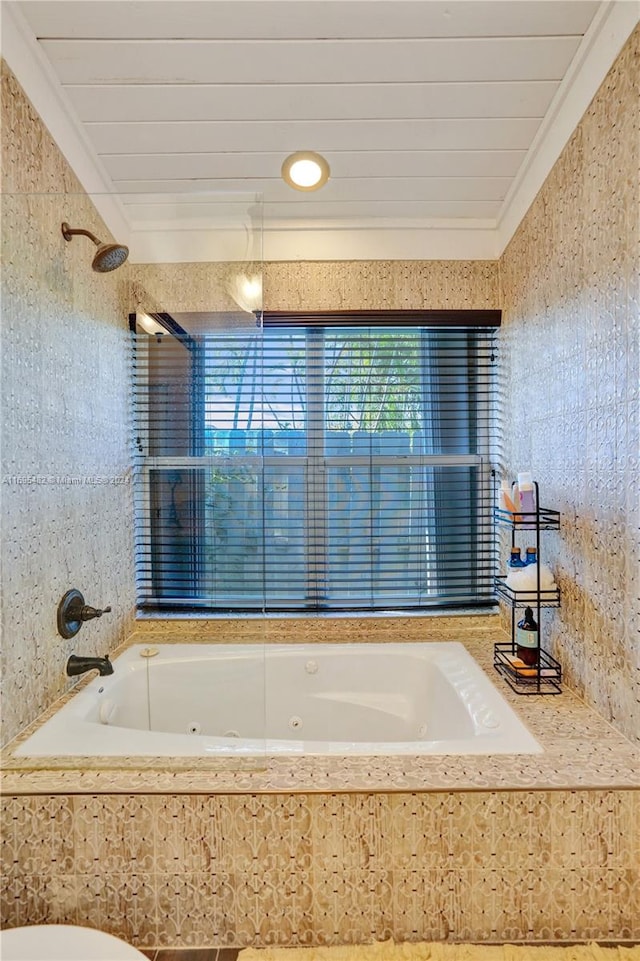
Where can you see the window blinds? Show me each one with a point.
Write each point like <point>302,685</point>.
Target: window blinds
<point>322,463</point>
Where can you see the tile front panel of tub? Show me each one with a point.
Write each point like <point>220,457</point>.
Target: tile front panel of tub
<point>197,870</point>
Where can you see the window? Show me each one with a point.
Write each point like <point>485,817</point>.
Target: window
<point>317,463</point>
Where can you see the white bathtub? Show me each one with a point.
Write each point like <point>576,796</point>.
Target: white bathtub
<point>231,700</point>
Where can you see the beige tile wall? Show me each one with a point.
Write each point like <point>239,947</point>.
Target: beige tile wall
<point>571,341</point>
<point>352,285</point>
<point>195,870</point>
<point>65,494</point>
<point>382,285</point>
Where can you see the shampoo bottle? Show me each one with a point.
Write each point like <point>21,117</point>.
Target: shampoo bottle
<point>527,639</point>
<point>527,494</point>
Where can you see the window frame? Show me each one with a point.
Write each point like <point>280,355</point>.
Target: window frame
<point>316,463</point>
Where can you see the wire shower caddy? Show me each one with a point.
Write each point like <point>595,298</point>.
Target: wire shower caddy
<point>545,676</point>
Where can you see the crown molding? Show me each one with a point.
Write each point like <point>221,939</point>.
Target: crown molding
<point>469,240</point>
<point>608,32</point>
<point>22,52</point>
<point>159,243</point>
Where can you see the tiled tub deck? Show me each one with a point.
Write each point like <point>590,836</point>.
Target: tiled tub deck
<point>320,851</point>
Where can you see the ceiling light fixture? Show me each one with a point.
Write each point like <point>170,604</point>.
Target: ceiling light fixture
<point>149,324</point>
<point>246,291</point>
<point>305,170</point>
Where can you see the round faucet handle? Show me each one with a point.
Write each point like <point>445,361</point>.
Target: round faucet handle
<point>72,612</point>
<point>88,613</point>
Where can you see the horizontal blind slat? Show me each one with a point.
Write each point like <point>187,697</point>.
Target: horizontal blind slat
<point>290,468</point>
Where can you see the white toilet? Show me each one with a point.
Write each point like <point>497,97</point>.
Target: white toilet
<point>64,942</point>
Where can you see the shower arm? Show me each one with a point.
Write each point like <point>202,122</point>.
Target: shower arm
<point>69,232</point>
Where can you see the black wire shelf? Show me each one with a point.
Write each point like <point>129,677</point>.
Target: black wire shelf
<point>530,598</point>
<point>528,520</point>
<point>543,678</point>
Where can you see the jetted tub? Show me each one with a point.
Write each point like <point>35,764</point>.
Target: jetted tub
<point>217,700</point>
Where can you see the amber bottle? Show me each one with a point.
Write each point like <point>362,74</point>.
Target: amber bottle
<point>527,639</point>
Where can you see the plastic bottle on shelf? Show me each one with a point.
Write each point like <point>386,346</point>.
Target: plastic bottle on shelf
<point>531,556</point>
<point>515,559</point>
<point>527,498</point>
<point>515,494</point>
<point>505,502</point>
<point>527,639</point>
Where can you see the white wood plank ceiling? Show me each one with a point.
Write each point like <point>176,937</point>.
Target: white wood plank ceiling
<point>424,109</point>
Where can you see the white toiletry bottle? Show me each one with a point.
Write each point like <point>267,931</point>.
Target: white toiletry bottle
<point>504,501</point>
<point>527,499</point>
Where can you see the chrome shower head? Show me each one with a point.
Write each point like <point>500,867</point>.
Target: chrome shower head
<point>107,257</point>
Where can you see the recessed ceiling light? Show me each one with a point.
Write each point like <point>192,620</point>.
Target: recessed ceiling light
<point>305,170</point>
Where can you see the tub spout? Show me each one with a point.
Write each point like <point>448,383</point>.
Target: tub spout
<point>78,665</point>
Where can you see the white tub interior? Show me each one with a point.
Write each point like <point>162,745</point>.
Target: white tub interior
<point>196,700</point>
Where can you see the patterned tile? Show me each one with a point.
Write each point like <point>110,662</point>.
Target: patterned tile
<point>40,899</point>
<point>124,905</point>
<point>193,954</point>
<point>432,830</point>
<point>586,905</point>
<point>187,833</point>
<point>511,831</point>
<point>273,830</point>
<point>595,832</point>
<point>399,285</point>
<point>352,867</point>
<point>570,340</point>
<point>273,906</point>
<point>504,903</point>
<point>351,832</point>
<point>194,909</point>
<point>432,905</point>
<point>36,836</point>
<point>113,834</point>
<point>352,906</point>
<point>65,378</point>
